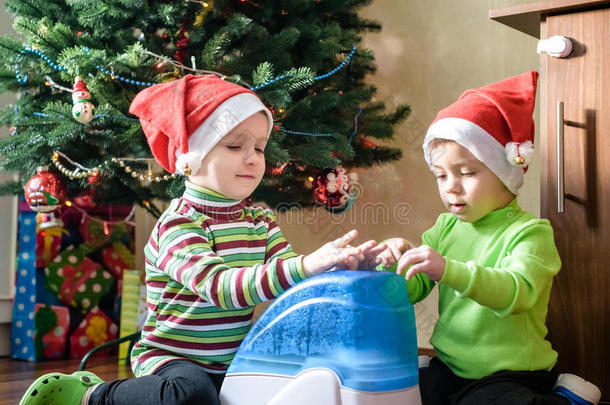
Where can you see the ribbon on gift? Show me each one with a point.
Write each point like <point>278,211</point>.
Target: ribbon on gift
<point>96,330</point>
<point>48,243</point>
<point>69,287</point>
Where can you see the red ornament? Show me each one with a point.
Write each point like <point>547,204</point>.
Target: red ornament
<point>333,188</point>
<point>181,44</point>
<point>86,199</point>
<point>366,144</point>
<point>45,192</point>
<point>276,171</point>
<point>94,178</point>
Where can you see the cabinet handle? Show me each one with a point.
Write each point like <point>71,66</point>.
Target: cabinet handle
<point>556,46</point>
<point>560,185</point>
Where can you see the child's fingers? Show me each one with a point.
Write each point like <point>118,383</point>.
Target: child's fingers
<point>385,260</point>
<point>418,268</point>
<point>396,251</point>
<point>345,239</point>
<point>350,259</point>
<point>398,247</point>
<point>378,250</point>
<point>368,245</point>
<point>408,259</point>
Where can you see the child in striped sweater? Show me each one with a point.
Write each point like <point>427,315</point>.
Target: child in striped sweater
<point>211,257</point>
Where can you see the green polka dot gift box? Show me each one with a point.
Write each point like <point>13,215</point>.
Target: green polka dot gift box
<point>77,280</point>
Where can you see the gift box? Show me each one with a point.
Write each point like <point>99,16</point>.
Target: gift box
<point>52,325</point>
<point>48,245</point>
<point>23,327</point>
<point>61,277</point>
<point>77,280</point>
<point>117,257</point>
<point>97,328</point>
<point>98,233</point>
<point>133,308</point>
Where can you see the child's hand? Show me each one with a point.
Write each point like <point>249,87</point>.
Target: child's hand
<point>372,255</point>
<point>394,248</point>
<point>424,259</point>
<point>337,253</point>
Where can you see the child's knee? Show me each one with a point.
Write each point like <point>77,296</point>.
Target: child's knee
<point>187,391</point>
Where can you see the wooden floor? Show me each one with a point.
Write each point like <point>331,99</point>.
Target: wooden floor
<point>16,376</point>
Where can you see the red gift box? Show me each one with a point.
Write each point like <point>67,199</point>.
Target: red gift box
<point>97,328</point>
<point>54,341</point>
<point>117,257</point>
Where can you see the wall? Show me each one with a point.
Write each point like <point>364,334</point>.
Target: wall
<point>427,53</point>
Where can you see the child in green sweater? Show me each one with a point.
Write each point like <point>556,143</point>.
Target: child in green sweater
<point>494,263</point>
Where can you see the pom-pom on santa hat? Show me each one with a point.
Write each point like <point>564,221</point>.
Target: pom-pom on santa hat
<point>185,118</point>
<point>495,124</point>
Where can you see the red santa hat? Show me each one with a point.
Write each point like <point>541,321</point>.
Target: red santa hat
<point>79,85</point>
<point>495,124</point>
<point>185,118</point>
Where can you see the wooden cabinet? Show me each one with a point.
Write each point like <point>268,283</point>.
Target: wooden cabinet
<point>578,87</point>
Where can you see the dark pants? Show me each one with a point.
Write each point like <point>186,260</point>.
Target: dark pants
<point>178,382</point>
<point>439,386</point>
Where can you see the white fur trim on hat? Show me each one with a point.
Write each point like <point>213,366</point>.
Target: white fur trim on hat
<point>481,144</point>
<point>220,122</point>
<point>520,154</point>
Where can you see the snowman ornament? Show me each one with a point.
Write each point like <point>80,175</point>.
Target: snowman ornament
<point>83,110</point>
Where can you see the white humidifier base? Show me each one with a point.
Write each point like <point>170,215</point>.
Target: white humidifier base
<point>319,386</point>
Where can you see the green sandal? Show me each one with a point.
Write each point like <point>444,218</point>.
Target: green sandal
<point>59,389</point>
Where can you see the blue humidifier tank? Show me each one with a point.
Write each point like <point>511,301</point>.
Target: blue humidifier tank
<point>340,338</point>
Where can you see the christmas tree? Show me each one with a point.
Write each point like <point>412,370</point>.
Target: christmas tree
<point>77,65</point>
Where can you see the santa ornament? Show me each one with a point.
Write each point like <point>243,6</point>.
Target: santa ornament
<point>185,118</point>
<point>83,110</point>
<point>45,193</point>
<point>333,189</point>
<point>495,124</point>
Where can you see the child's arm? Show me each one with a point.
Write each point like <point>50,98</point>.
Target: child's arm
<point>185,254</point>
<point>514,286</point>
<point>366,257</point>
<point>519,279</point>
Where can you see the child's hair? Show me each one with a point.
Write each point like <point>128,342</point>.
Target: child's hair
<point>436,142</point>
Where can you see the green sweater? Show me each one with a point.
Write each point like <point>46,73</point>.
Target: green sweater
<point>494,294</point>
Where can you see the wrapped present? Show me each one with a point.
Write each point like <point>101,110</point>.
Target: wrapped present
<point>77,280</point>
<point>97,328</point>
<point>48,244</point>
<point>23,328</point>
<point>133,308</point>
<point>117,257</point>
<point>52,325</point>
<point>98,232</point>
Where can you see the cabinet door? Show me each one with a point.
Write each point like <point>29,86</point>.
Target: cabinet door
<point>579,310</point>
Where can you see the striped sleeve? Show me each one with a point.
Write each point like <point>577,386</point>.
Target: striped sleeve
<point>277,245</point>
<point>186,256</point>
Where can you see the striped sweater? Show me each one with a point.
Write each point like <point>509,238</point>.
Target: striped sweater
<point>209,261</point>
